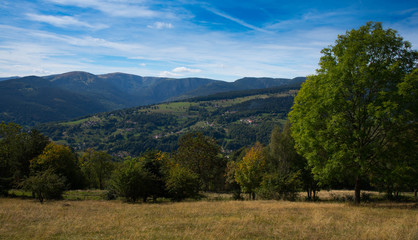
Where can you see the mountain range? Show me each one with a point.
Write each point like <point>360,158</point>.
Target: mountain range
<point>31,100</point>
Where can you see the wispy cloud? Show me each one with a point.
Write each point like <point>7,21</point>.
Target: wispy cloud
<point>119,8</point>
<point>222,39</point>
<point>169,74</point>
<point>236,20</point>
<point>63,21</point>
<point>161,25</point>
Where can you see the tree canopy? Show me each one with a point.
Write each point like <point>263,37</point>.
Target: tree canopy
<point>346,117</point>
<point>202,155</point>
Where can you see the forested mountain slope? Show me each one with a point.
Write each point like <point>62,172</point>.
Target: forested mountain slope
<point>31,100</point>
<point>236,119</point>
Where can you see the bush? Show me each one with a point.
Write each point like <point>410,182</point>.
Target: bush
<point>182,183</point>
<point>131,181</point>
<point>45,185</point>
<point>278,187</point>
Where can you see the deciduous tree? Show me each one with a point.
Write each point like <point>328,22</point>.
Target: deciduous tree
<point>202,155</point>
<point>344,118</point>
<point>62,161</point>
<point>97,166</point>
<point>250,170</point>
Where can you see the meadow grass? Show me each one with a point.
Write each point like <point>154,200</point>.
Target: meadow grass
<point>94,219</point>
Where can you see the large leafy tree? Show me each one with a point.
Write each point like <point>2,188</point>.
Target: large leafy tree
<point>62,161</point>
<point>97,167</point>
<point>202,155</point>
<point>346,117</point>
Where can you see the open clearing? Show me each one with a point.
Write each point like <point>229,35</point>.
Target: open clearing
<point>95,219</point>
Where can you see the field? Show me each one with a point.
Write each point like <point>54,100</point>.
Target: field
<point>206,219</point>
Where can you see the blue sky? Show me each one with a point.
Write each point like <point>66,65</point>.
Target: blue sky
<point>222,39</point>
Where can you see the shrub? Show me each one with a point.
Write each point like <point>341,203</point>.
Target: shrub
<point>182,183</point>
<point>131,181</point>
<point>45,185</point>
<point>278,187</point>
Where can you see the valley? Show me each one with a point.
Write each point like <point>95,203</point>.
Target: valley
<point>235,119</point>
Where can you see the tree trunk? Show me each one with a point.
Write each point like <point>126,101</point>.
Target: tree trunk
<point>415,194</point>
<point>389,193</point>
<point>357,191</point>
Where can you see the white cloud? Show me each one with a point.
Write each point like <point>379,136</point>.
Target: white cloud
<point>114,8</point>
<point>168,74</point>
<point>178,72</point>
<point>63,21</point>
<point>236,20</point>
<point>222,59</point>
<point>161,25</point>
<point>186,70</point>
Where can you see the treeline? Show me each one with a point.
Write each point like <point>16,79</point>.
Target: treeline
<point>244,93</point>
<point>31,162</point>
<point>273,171</point>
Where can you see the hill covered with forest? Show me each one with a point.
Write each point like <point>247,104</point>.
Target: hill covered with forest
<point>235,119</point>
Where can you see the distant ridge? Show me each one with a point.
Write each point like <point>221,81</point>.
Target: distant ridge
<point>31,100</point>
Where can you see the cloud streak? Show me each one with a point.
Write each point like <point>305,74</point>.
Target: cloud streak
<point>63,21</point>
<point>236,20</point>
<point>113,8</point>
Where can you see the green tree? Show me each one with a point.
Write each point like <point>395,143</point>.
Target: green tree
<point>45,185</point>
<point>182,183</point>
<point>157,164</point>
<point>344,118</point>
<point>250,170</point>
<point>62,161</point>
<point>288,171</point>
<point>17,148</point>
<point>202,155</point>
<point>131,180</point>
<point>97,167</point>
<point>10,142</point>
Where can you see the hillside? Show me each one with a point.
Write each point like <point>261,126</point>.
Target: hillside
<point>236,119</point>
<point>32,100</point>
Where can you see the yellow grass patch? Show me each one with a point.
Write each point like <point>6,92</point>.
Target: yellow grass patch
<point>27,219</point>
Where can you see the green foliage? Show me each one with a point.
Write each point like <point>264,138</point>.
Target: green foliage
<point>157,164</point>
<point>250,170</point>
<point>62,161</point>
<point>133,131</point>
<point>45,185</point>
<point>182,183</point>
<point>284,164</point>
<point>275,186</point>
<point>344,118</point>
<point>131,180</point>
<point>97,167</point>
<point>17,148</point>
<point>202,155</point>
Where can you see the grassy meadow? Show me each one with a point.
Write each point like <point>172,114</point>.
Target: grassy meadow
<point>210,218</point>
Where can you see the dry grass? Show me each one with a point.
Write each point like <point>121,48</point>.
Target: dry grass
<point>27,219</point>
